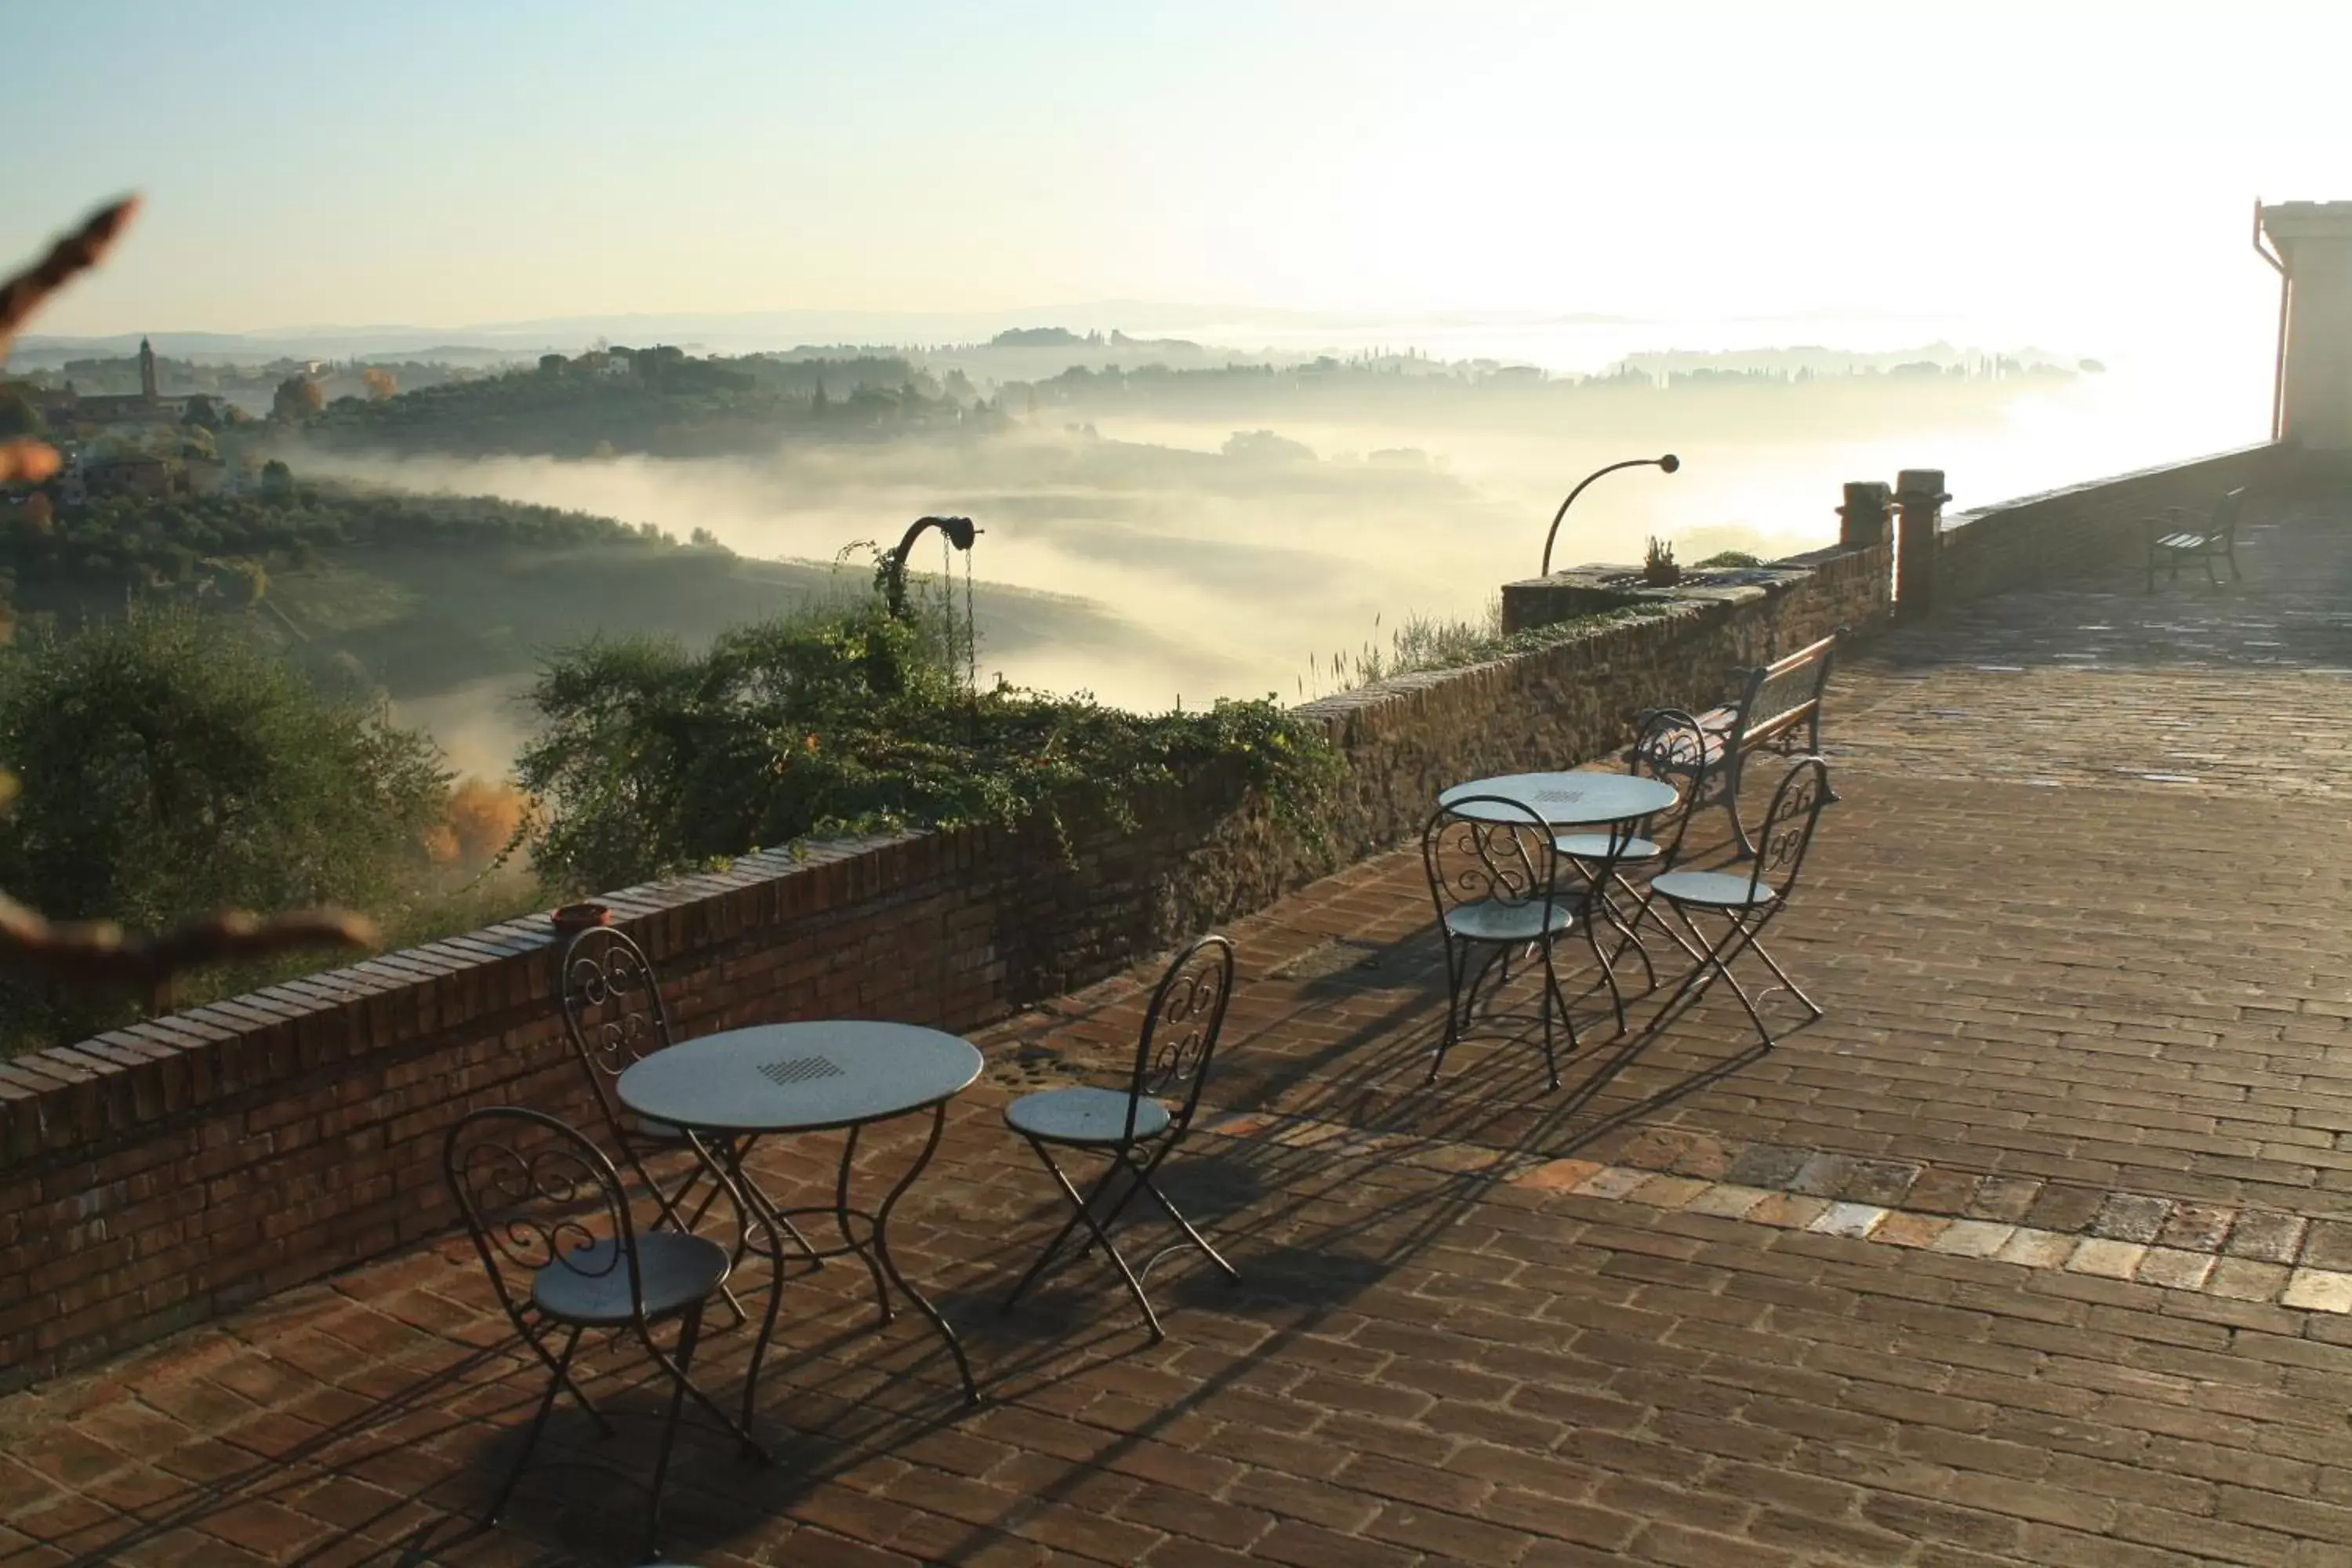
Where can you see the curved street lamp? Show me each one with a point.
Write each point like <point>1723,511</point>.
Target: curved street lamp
<point>1669,463</point>
<point>959,532</point>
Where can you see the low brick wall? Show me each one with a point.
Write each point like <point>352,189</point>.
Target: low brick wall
<point>2089,528</point>
<point>160,1175</point>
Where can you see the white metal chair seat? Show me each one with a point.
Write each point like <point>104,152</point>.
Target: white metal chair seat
<point>1085,1115</point>
<point>1492,919</point>
<point>1596,846</point>
<point>1714,889</point>
<point>590,1284</point>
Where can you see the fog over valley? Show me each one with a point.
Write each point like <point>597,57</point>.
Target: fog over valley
<point>1211,533</point>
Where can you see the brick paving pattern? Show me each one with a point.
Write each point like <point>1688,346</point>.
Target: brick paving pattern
<point>2036,1250</point>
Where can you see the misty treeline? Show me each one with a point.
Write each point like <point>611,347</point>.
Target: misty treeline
<point>663,402</point>
<point>660,401</point>
<point>1410,389</point>
<point>160,542</point>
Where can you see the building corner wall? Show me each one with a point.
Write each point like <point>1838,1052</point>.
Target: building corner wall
<point>2314,239</point>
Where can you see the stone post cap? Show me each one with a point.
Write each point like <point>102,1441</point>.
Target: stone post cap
<point>2287,222</point>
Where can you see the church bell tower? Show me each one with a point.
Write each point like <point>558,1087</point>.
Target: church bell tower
<point>146,371</point>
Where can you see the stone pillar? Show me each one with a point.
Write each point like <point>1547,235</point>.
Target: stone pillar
<point>2315,240</point>
<point>1919,501</point>
<point>1863,519</point>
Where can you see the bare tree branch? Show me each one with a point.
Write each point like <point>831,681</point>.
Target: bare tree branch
<point>97,952</point>
<point>75,253</point>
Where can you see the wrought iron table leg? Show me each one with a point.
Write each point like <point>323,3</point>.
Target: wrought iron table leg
<point>841,1213</point>
<point>1606,900</point>
<point>882,1251</point>
<point>775,1226</point>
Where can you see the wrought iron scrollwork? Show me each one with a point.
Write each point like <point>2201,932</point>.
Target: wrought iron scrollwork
<point>1673,748</point>
<point>612,1002</point>
<point>1186,1014</point>
<point>1788,830</point>
<point>535,1194</point>
<point>1478,861</point>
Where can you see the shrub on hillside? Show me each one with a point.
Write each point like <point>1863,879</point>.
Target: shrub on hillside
<point>168,767</point>
<point>651,758</point>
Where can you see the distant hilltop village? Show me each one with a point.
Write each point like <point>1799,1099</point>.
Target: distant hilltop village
<point>66,407</point>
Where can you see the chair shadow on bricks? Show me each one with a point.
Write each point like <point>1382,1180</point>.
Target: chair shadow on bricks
<point>378,1439</point>
<point>1329,1166</point>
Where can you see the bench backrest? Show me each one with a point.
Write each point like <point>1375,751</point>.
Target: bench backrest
<point>1785,692</point>
<point>2226,512</point>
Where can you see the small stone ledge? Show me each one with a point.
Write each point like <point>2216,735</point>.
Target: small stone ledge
<point>1597,588</point>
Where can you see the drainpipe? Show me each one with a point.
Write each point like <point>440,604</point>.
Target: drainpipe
<point>2286,288</point>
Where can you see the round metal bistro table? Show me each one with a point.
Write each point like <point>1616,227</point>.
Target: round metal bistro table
<point>728,1090</point>
<point>1567,800</point>
<point>1583,800</point>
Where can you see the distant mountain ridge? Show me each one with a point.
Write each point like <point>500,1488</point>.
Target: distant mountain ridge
<point>733,333</point>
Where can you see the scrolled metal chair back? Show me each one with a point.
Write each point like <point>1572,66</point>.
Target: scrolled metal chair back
<point>613,1006</point>
<point>535,1193</point>
<point>1672,749</point>
<point>1489,849</point>
<point>1788,831</point>
<point>1180,1029</point>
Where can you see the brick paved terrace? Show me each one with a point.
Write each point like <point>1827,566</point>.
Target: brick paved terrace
<point>2038,1248</point>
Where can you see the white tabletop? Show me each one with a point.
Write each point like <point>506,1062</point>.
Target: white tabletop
<point>800,1078</point>
<point>1567,800</point>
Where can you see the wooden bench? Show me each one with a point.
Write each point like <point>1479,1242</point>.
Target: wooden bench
<point>1779,707</point>
<point>2172,539</point>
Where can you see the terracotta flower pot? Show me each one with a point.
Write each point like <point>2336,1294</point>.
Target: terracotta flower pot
<point>581,917</point>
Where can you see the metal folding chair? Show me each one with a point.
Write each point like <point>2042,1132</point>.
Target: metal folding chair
<point>1747,901</point>
<point>1494,876</point>
<point>1135,1127</point>
<point>614,1015</point>
<point>1673,748</point>
<point>553,1223</point>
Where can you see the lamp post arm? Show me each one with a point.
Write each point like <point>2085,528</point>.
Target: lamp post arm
<point>959,532</point>
<point>1669,463</point>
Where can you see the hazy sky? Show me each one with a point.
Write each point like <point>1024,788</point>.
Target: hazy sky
<point>2045,170</point>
